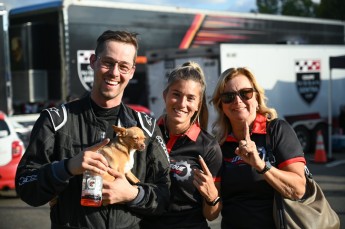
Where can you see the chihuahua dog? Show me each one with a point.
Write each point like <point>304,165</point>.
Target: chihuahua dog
<point>119,152</point>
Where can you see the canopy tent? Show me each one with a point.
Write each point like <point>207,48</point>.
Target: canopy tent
<point>337,62</point>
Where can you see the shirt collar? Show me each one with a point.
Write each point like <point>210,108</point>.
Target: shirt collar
<point>192,133</point>
<point>259,127</point>
<point>259,124</point>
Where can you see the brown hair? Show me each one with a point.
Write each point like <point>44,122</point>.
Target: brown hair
<point>120,36</point>
<point>192,71</point>
<point>222,126</point>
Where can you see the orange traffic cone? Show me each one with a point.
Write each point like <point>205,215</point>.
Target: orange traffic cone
<point>320,153</point>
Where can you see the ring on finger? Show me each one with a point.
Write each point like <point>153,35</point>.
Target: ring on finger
<point>245,144</point>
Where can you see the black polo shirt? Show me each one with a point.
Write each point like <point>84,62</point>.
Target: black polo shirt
<point>247,197</point>
<point>185,209</point>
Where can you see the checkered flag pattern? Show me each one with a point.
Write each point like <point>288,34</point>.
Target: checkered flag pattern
<point>84,56</point>
<point>307,66</point>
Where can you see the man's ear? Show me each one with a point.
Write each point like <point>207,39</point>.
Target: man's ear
<point>93,59</point>
<point>132,74</point>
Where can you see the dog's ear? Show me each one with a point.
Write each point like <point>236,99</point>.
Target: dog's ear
<point>120,131</point>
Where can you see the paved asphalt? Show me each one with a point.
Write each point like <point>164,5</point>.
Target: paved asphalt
<point>331,176</point>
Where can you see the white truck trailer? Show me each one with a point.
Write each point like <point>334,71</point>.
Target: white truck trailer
<point>50,42</point>
<point>296,79</point>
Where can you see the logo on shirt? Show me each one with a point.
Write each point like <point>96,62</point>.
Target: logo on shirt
<point>27,179</point>
<point>162,144</point>
<point>148,119</point>
<point>238,161</point>
<point>262,153</point>
<point>181,170</point>
<point>54,109</point>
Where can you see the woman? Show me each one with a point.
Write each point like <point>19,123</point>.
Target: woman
<point>195,155</point>
<point>248,180</point>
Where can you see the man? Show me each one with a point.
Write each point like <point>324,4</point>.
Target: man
<point>63,145</point>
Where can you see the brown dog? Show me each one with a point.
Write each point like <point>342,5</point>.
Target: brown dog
<point>120,151</point>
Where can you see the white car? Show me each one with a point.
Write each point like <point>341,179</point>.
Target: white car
<point>23,125</point>
<point>11,151</point>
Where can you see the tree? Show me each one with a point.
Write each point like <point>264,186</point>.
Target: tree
<point>332,9</point>
<point>303,8</point>
<point>268,6</point>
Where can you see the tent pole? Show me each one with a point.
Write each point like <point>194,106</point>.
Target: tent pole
<point>330,115</point>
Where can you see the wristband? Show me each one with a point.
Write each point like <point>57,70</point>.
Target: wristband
<point>213,203</point>
<point>267,167</point>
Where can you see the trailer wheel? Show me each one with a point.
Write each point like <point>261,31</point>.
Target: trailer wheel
<point>304,138</point>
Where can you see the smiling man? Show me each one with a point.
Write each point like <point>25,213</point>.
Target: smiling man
<point>63,145</point>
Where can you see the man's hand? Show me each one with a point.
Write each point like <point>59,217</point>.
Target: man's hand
<point>90,160</point>
<point>119,190</point>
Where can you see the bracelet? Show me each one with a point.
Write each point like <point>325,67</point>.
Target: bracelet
<point>213,203</point>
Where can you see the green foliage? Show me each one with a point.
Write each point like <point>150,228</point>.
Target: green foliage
<point>303,8</point>
<point>331,9</point>
<point>268,6</point>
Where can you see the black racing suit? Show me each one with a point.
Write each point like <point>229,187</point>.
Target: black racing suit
<point>63,132</point>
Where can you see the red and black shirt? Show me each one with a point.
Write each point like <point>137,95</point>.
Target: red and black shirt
<point>247,197</point>
<point>185,209</point>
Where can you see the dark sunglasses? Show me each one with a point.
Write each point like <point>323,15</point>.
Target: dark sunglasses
<point>244,94</point>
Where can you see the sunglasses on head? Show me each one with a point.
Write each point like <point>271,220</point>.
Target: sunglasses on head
<point>244,94</point>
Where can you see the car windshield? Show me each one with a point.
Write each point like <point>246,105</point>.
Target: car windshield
<point>4,130</point>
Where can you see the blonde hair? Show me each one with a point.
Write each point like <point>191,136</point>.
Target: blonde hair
<point>192,71</point>
<point>222,126</point>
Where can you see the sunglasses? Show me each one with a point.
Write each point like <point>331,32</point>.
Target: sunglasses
<point>244,94</point>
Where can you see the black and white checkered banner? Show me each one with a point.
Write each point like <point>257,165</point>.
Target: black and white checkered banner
<point>308,78</point>
<point>85,71</point>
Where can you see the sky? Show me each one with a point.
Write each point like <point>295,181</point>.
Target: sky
<point>226,5</point>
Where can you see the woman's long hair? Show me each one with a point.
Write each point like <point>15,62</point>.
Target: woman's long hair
<point>222,126</point>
